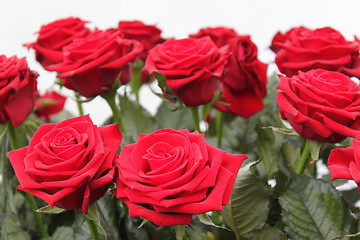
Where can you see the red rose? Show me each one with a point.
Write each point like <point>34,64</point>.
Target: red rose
<point>91,64</point>
<point>344,163</point>
<point>68,164</point>
<point>193,68</point>
<point>147,34</point>
<point>245,81</point>
<point>303,49</point>
<point>168,175</point>
<point>48,104</point>
<point>17,86</point>
<point>320,105</point>
<point>54,36</point>
<point>219,35</point>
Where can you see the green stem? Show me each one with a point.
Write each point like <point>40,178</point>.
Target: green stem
<point>29,197</point>
<point>93,229</point>
<point>219,120</point>
<point>79,104</point>
<point>135,82</point>
<point>12,136</point>
<point>110,99</point>
<point>348,236</point>
<point>243,145</point>
<point>305,157</point>
<point>195,116</point>
<point>37,216</point>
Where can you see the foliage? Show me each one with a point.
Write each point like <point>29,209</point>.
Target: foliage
<point>269,200</point>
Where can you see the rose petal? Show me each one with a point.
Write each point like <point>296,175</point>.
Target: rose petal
<point>339,162</point>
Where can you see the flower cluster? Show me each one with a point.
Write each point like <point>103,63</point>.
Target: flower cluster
<point>71,164</point>
<point>171,173</point>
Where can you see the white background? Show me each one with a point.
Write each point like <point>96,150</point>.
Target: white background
<point>261,19</point>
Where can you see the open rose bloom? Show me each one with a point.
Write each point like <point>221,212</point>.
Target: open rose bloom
<point>17,86</point>
<point>93,63</point>
<point>68,164</point>
<point>168,175</point>
<point>305,49</point>
<point>219,35</point>
<point>320,105</point>
<point>193,68</point>
<point>54,36</point>
<point>148,35</point>
<point>244,85</point>
<point>162,183</point>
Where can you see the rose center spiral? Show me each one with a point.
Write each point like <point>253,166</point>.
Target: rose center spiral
<point>64,139</point>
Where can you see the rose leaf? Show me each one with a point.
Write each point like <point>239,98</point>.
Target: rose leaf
<point>50,210</point>
<point>315,147</point>
<point>249,204</point>
<point>313,209</point>
<point>63,233</point>
<point>205,219</point>
<point>180,232</point>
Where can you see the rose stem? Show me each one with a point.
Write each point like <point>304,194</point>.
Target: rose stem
<point>243,145</point>
<point>110,99</point>
<point>29,197</point>
<point>79,104</point>
<point>195,116</point>
<point>135,82</point>
<point>93,229</point>
<point>305,157</point>
<point>219,120</point>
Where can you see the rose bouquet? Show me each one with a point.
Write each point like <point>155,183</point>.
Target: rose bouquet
<point>232,152</point>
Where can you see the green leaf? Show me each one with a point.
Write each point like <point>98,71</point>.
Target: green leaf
<point>63,233</point>
<point>351,197</point>
<point>269,233</point>
<point>205,219</point>
<point>136,118</point>
<point>3,130</point>
<point>284,131</point>
<point>50,210</point>
<point>64,114</point>
<point>161,80</point>
<point>291,156</point>
<point>313,209</point>
<point>179,232</point>
<point>218,94</point>
<point>175,120</point>
<point>147,231</point>
<point>335,182</point>
<point>60,82</point>
<point>268,152</point>
<point>270,113</point>
<point>315,149</point>
<point>249,204</point>
<point>11,228</point>
<point>143,222</point>
<point>109,214</point>
<point>93,214</point>
<point>169,94</point>
<point>81,231</point>
<point>18,235</point>
<point>16,200</point>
